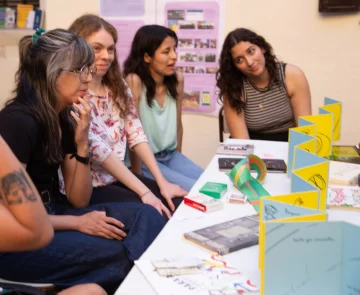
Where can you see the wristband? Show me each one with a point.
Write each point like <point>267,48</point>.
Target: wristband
<point>84,160</point>
<point>144,194</point>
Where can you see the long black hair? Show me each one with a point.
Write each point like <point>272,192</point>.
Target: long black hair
<point>147,39</point>
<point>229,77</point>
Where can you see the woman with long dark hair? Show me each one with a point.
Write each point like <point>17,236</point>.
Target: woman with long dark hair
<point>262,96</point>
<point>157,89</point>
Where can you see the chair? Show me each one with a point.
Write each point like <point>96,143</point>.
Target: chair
<point>223,127</point>
<point>39,286</point>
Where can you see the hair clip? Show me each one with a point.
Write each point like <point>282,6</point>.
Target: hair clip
<point>37,34</point>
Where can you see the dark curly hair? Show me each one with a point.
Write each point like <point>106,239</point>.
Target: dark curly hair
<point>229,78</point>
<point>147,39</point>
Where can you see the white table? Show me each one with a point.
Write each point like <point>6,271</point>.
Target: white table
<point>170,241</point>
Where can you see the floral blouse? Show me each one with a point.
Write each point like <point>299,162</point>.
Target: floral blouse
<point>109,133</point>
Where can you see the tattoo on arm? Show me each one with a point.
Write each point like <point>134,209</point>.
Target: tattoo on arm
<point>16,188</point>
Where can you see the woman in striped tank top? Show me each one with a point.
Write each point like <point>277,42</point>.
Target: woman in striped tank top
<point>262,97</point>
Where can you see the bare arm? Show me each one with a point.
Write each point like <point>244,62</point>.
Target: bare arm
<point>135,85</point>
<point>118,170</point>
<point>180,90</point>
<point>77,176</point>
<point>24,223</point>
<point>298,90</point>
<point>236,122</point>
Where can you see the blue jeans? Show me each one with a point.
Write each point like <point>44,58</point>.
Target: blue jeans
<point>176,168</point>
<point>73,257</point>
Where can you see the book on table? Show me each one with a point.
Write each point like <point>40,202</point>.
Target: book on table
<point>235,149</point>
<point>345,153</point>
<point>227,237</point>
<point>272,165</point>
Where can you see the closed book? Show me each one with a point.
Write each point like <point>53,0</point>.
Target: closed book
<point>203,203</point>
<point>272,165</point>
<point>235,149</point>
<point>345,153</point>
<point>214,189</point>
<point>227,237</point>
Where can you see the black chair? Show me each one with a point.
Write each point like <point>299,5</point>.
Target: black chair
<point>223,127</point>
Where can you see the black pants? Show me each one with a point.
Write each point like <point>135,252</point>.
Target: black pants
<point>117,192</point>
<point>280,136</point>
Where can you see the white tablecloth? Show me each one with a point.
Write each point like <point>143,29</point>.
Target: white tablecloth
<point>170,241</point>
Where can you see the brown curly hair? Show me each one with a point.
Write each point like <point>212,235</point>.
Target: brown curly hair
<point>89,24</point>
<point>229,78</point>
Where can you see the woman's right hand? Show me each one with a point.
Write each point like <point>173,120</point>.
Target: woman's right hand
<point>96,223</point>
<point>82,118</point>
<point>154,201</point>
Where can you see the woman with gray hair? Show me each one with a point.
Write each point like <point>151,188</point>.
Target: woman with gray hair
<point>95,243</point>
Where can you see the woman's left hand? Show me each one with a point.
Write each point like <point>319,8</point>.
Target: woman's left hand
<point>169,191</point>
<point>82,118</point>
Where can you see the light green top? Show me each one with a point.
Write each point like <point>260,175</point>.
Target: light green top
<point>158,123</point>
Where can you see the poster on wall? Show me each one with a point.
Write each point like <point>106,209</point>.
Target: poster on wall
<point>127,17</point>
<point>197,25</point>
<point>118,8</point>
<point>126,30</point>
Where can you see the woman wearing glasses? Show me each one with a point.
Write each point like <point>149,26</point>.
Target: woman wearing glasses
<point>115,122</point>
<point>93,244</point>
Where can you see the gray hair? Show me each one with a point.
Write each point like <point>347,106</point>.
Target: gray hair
<point>40,66</point>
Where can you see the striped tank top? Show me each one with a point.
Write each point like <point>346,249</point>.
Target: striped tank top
<point>268,110</point>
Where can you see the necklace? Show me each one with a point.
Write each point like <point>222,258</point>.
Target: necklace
<point>264,89</point>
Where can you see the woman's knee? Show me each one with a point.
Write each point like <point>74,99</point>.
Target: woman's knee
<point>84,289</point>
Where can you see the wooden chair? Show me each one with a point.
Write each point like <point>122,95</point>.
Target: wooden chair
<point>223,127</point>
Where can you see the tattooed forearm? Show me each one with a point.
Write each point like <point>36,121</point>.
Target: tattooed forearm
<point>16,188</point>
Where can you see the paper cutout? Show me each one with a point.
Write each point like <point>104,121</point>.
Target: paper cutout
<point>243,180</point>
<point>325,127</point>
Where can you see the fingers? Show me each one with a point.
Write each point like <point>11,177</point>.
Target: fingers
<point>113,231</point>
<point>111,220</point>
<point>103,235</point>
<point>181,192</point>
<point>75,116</point>
<point>85,103</point>
<point>158,208</point>
<point>171,204</point>
<point>80,110</point>
<point>166,211</point>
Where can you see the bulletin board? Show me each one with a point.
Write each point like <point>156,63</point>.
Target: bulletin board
<point>199,26</point>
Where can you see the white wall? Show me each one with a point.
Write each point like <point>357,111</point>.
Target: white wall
<point>326,48</point>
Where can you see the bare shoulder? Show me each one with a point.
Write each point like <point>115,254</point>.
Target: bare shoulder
<point>293,72</point>
<point>133,80</point>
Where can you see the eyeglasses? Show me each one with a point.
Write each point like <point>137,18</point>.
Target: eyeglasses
<point>84,72</point>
